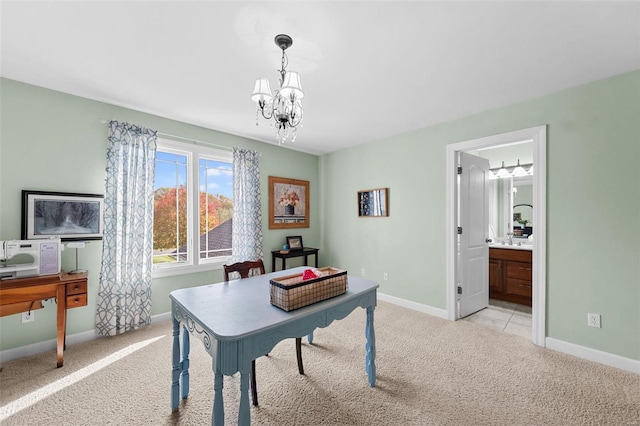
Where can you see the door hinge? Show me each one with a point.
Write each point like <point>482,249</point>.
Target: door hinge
<point>459,290</point>
<point>459,230</point>
<point>459,170</point>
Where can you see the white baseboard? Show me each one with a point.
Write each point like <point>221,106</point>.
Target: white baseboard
<point>594,355</point>
<point>72,339</point>
<point>436,312</point>
<point>161,317</point>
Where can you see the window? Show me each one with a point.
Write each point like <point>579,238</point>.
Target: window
<point>193,208</point>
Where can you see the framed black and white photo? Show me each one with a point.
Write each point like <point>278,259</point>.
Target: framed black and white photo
<point>65,215</point>
<point>295,243</point>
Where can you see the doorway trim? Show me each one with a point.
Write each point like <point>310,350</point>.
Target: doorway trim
<point>538,136</point>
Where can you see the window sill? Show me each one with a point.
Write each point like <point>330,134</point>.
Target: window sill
<point>189,269</point>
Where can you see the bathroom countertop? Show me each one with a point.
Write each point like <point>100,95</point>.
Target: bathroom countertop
<point>515,246</point>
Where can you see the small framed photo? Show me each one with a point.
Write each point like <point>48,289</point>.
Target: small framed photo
<point>65,215</point>
<point>295,243</point>
<point>373,202</point>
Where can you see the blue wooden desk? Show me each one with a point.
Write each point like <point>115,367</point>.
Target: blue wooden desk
<point>237,324</point>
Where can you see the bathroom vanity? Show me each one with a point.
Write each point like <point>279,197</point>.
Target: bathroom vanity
<point>510,276</point>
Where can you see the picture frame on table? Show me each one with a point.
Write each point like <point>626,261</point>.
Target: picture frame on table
<point>288,203</point>
<point>69,216</point>
<point>295,243</point>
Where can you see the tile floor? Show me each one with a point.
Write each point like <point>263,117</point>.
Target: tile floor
<point>506,316</point>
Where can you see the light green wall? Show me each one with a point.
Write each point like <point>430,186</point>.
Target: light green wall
<point>52,141</point>
<point>593,209</point>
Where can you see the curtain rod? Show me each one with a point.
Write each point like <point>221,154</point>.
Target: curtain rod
<point>195,141</point>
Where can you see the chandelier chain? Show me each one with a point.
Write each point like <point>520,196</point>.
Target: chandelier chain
<point>283,66</point>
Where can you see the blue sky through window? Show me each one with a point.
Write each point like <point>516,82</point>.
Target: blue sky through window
<point>216,177</point>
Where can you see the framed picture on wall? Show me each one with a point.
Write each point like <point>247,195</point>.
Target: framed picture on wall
<point>65,215</point>
<point>373,202</point>
<point>288,203</point>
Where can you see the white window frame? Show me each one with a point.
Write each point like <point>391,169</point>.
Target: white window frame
<point>194,264</point>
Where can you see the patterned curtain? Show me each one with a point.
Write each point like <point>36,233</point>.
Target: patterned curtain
<point>247,212</point>
<point>124,297</point>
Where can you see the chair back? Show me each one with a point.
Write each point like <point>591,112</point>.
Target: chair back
<point>243,268</point>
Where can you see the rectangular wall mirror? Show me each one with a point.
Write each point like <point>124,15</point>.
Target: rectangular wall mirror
<point>373,202</point>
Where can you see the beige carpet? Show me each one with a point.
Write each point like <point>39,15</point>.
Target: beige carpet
<point>430,372</point>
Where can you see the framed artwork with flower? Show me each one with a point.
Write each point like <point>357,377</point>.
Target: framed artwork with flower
<point>288,203</point>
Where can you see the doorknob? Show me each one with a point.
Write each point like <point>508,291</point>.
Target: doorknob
<point>488,240</point>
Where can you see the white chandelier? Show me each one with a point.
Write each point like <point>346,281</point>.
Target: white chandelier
<point>284,107</point>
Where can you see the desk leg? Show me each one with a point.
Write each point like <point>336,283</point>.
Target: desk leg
<point>61,296</point>
<point>284,263</point>
<point>244,414</point>
<point>273,262</point>
<point>184,366</point>
<point>370,347</point>
<point>217,417</point>
<point>175,364</point>
<point>316,256</point>
<point>306,260</point>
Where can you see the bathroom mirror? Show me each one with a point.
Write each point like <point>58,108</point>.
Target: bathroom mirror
<point>501,191</point>
<point>515,206</point>
<point>522,207</point>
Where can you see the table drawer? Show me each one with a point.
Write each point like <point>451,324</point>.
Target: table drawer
<point>76,288</point>
<point>76,300</point>
<point>519,270</point>
<point>519,287</point>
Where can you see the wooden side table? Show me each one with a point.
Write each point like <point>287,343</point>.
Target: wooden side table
<point>293,253</point>
<point>21,294</point>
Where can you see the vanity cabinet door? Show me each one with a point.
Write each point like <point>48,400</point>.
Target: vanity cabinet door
<point>519,270</point>
<point>517,287</point>
<point>495,275</point>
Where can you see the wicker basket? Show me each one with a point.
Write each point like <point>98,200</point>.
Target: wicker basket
<point>292,292</point>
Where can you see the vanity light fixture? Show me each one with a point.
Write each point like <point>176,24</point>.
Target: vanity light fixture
<point>519,171</point>
<point>511,171</point>
<point>284,106</point>
<point>502,173</point>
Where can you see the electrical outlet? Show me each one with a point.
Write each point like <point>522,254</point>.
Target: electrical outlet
<point>27,316</point>
<point>385,276</point>
<point>593,320</point>
<point>362,272</point>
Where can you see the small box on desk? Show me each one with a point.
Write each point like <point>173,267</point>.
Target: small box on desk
<point>292,291</point>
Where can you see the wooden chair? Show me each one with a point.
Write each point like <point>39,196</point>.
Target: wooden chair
<point>244,268</point>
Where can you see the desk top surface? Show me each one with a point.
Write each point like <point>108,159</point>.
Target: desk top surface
<point>302,251</point>
<point>59,278</point>
<point>234,309</point>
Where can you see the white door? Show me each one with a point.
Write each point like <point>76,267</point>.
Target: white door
<point>473,222</point>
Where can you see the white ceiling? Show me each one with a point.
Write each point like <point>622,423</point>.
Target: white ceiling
<point>369,69</point>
